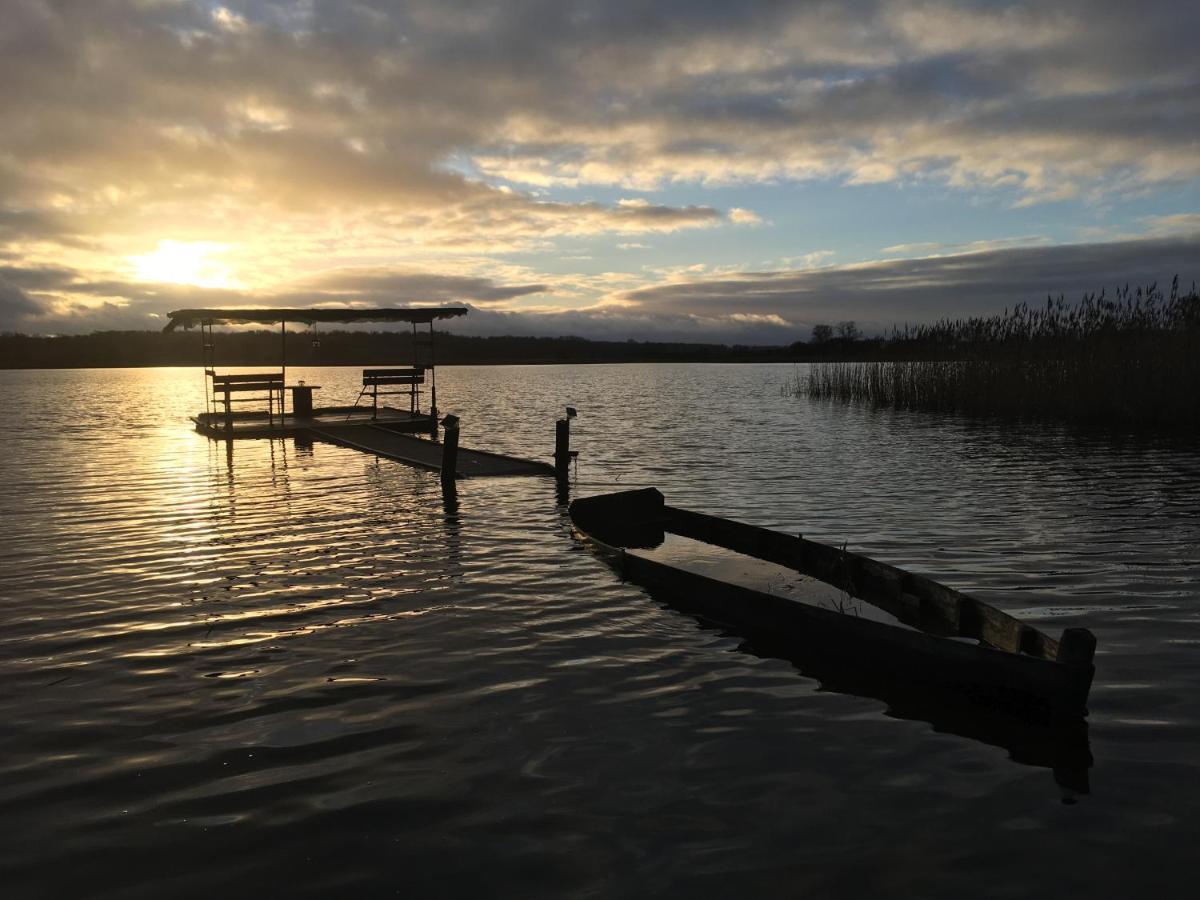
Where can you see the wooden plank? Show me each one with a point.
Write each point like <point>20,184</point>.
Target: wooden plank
<point>390,373</point>
<point>913,599</point>
<point>941,605</point>
<point>354,437</point>
<point>1026,686</point>
<point>1035,643</point>
<point>254,424</point>
<point>247,386</point>
<point>251,376</point>
<point>427,454</point>
<point>1034,712</point>
<point>1010,655</point>
<point>996,628</point>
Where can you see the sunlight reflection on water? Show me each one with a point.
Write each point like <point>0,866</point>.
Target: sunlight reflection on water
<point>301,664</point>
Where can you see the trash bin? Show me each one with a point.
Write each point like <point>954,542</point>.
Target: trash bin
<point>302,407</point>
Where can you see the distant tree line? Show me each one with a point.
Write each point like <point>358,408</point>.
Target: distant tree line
<point>1125,326</point>
<point>114,349</point>
<point>108,349</point>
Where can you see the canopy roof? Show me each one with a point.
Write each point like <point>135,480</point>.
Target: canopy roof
<point>418,314</point>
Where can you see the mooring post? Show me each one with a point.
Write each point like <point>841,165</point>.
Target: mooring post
<point>449,449</point>
<point>562,447</point>
<point>1077,648</point>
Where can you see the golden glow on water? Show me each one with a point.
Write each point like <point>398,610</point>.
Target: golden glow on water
<point>316,645</point>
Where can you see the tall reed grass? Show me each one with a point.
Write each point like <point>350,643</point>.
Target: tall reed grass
<point>1132,359</point>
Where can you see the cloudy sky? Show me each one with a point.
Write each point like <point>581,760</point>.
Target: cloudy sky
<point>684,170</point>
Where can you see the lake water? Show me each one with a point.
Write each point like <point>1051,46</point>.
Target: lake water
<point>297,671</point>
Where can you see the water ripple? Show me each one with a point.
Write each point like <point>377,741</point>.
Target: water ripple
<point>301,666</point>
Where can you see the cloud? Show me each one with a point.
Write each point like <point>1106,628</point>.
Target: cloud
<point>389,287</point>
<point>1046,101</point>
<point>16,307</point>
<point>60,299</point>
<point>229,20</point>
<point>1173,225</point>
<point>891,292</point>
<point>809,260</point>
<point>618,324</point>
<point>691,303</point>
<point>133,112</point>
<point>740,216</point>
<point>387,138</point>
<point>231,120</point>
<point>38,278</point>
<point>941,248</point>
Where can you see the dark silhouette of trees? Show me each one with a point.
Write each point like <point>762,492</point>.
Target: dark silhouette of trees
<point>848,331</point>
<point>261,348</point>
<point>1126,326</point>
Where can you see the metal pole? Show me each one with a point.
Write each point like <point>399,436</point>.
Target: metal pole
<point>204,365</point>
<point>433,413</point>
<point>282,365</point>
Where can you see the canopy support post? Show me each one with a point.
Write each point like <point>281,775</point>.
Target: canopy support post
<point>282,367</point>
<point>206,362</point>
<point>433,410</point>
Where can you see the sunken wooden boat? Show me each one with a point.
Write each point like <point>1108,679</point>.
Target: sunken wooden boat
<point>875,625</point>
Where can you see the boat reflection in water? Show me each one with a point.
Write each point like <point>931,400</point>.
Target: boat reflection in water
<point>861,627</point>
<point>1059,744</point>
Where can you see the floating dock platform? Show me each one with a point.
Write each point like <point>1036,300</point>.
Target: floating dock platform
<point>388,443</point>
<point>260,425</point>
<point>391,434</point>
<point>382,430</point>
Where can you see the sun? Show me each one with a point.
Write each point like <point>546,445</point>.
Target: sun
<point>185,262</point>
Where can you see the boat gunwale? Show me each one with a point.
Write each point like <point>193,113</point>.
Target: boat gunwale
<point>924,589</point>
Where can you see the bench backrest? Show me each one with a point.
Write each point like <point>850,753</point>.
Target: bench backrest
<point>255,381</point>
<point>414,375</point>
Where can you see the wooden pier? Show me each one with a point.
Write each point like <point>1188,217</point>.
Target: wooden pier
<point>382,430</point>
<point>392,434</point>
<point>260,425</point>
<point>427,454</point>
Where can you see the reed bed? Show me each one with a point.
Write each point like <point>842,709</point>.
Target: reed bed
<point>1132,359</point>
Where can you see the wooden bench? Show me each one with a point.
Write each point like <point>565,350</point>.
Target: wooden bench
<point>392,379</point>
<point>256,384</point>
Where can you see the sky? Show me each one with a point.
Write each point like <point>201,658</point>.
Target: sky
<point>699,171</point>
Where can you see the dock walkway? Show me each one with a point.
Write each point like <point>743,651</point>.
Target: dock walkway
<point>260,425</point>
<point>423,453</point>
